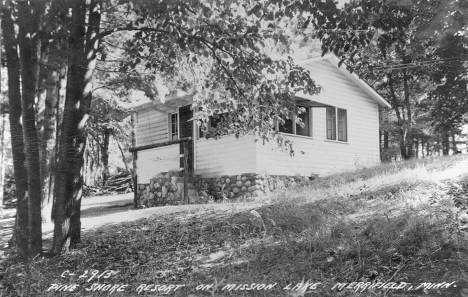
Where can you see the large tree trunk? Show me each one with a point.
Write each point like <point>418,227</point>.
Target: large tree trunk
<point>69,183</point>
<point>30,50</point>
<point>60,106</point>
<point>49,139</point>
<point>10,31</point>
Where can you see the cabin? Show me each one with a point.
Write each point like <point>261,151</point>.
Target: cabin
<point>341,133</point>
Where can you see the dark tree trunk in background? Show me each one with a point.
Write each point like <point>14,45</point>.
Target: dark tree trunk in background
<point>416,146</point>
<point>105,154</point>
<point>83,45</point>
<point>422,149</point>
<point>445,144</point>
<point>385,141</point>
<point>30,50</point>
<point>123,156</point>
<point>403,129</point>
<point>403,142</point>
<point>10,31</point>
<point>409,118</point>
<point>454,142</point>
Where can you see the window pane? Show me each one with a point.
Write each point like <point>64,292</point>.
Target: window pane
<point>342,125</point>
<point>305,117</point>
<point>287,127</point>
<point>174,127</point>
<point>331,123</point>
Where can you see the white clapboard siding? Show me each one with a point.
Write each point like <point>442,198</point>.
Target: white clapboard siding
<point>225,156</point>
<point>153,161</point>
<point>151,127</point>
<point>317,155</point>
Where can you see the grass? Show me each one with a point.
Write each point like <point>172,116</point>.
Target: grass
<point>391,223</point>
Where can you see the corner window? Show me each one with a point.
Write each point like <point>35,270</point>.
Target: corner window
<point>291,128</point>
<point>342,125</point>
<point>173,126</point>
<point>334,121</point>
<point>211,125</point>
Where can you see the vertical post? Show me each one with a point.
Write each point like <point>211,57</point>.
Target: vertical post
<point>186,198</point>
<point>135,166</point>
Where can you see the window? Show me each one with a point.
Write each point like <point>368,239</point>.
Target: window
<point>173,126</point>
<point>212,124</point>
<point>296,129</point>
<point>342,125</point>
<point>333,121</point>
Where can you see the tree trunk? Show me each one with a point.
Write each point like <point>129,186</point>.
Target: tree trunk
<point>10,31</point>
<point>402,139</point>
<point>454,142</point>
<point>105,155</point>
<point>416,146</point>
<point>385,141</point>
<point>445,144</point>
<point>422,148</point>
<point>83,45</point>
<point>402,132</point>
<point>123,156</point>
<point>409,125</point>
<point>30,50</point>
<point>49,139</point>
<point>41,104</point>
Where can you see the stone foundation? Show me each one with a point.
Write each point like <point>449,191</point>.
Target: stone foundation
<point>168,190</point>
<point>164,190</point>
<point>248,185</point>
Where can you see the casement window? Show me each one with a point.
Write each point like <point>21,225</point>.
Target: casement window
<point>290,128</point>
<point>337,123</point>
<point>173,126</point>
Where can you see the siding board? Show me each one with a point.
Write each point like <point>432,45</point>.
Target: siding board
<point>225,156</point>
<point>152,127</point>
<point>149,166</point>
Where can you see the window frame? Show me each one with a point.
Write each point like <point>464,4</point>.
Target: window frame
<point>336,125</point>
<point>294,124</point>
<point>169,128</point>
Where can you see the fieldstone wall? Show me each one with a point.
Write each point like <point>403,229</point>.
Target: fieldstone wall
<point>247,185</point>
<point>168,190</point>
<point>164,190</point>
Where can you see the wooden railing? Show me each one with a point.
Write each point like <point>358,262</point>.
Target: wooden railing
<point>156,145</point>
